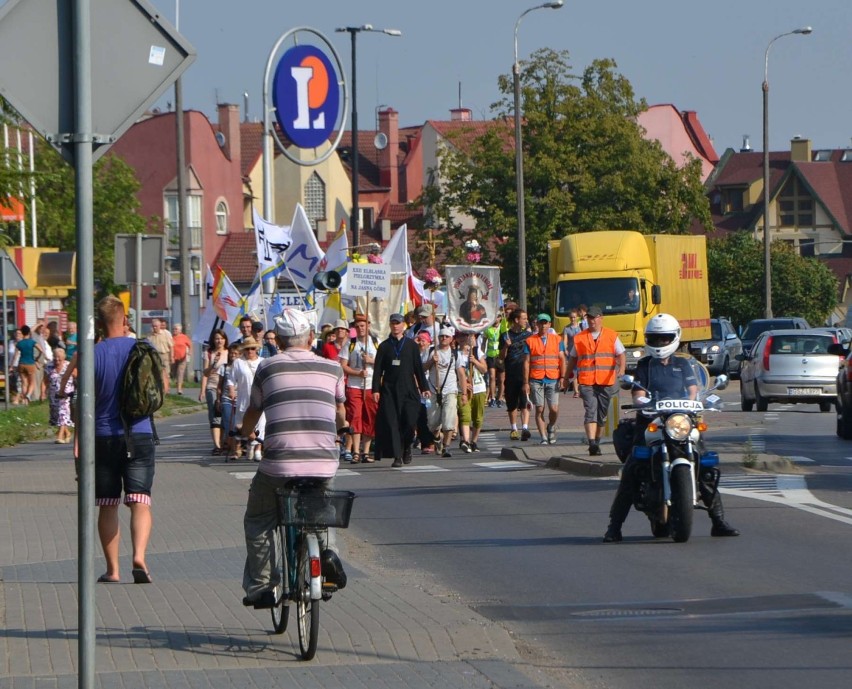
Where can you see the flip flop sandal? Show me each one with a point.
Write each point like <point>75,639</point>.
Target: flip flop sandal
<point>356,458</point>
<point>103,579</point>
<point>140,576</point>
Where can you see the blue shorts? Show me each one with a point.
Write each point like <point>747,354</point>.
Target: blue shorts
<point>115,471</point>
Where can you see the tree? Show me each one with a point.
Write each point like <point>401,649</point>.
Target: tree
<point>587,167</point>
<point>801,286</point>
<point>115,207</point>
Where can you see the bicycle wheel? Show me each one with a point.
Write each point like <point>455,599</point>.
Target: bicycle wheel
<point>281,609</point>
<point>307,610</point>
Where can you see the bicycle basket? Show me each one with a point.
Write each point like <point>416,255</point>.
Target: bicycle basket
<point>331,508</point>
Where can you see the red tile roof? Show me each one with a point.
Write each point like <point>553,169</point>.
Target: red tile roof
<point>238,257</point>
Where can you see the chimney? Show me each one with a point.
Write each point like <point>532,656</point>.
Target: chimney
<point>460,115</point>
<point>746,145</point>
<point>229,126</point>
<point>800,150</point>
<point>389,155</point>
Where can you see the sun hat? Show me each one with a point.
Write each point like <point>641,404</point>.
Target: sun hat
<point>292,322</point>
<point>249,343</point>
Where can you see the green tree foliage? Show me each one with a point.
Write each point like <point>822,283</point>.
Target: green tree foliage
<point>801,286</point>
<point>586,167</point>
<point>115,207</point>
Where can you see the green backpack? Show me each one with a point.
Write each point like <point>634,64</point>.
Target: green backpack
<point>141,391</point>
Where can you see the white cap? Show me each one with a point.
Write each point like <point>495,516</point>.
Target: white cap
<point>292,322</point>
<point>447,330</point>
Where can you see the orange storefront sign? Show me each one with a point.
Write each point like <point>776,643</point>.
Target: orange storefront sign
<point>11,210</point>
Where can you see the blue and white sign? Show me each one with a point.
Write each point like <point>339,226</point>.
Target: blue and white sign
<point>306,96</point>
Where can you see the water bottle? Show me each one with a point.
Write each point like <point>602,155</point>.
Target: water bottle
<point>426,401</point>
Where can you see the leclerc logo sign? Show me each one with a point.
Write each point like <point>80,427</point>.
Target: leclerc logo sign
<point>306,96</point>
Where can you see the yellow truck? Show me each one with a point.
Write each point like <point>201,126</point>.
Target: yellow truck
<point>632,277</point>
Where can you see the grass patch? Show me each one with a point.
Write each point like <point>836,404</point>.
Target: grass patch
<point>25,424</point>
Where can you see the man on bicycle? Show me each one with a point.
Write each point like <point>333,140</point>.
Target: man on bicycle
<point>302,396</point>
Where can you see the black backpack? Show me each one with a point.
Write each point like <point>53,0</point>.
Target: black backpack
<point>141,392</point>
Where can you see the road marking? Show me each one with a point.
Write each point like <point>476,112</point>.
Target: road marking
<point>243,475</point>
<point>190,425</point>
<point>347,472</point>
<point>511,465</point>
<point>172,437</point>
<point>791,491</point>
<point>801,460</point>
<point>419,468</point>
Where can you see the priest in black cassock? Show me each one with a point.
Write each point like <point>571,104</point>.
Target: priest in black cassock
<point>398,381</point>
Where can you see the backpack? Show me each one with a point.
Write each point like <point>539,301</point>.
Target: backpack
<point>354,342</point>
<point>141,392</point>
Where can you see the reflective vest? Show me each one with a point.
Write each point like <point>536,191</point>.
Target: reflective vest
<point>544,357</point>
<point>596,359</point>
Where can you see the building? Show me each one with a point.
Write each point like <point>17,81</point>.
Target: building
<point>808,202</point>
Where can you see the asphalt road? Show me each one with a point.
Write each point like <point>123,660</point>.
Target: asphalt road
<point>522,546</point>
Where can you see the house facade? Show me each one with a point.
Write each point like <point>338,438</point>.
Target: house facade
<point>808,203</point>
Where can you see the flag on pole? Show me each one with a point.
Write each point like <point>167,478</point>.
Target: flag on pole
<point>337,255</point>
<point>276,306</point>
<point>227,299</point>
<point>304,255</point>
<point>396,255</point>
<point>209,321</point>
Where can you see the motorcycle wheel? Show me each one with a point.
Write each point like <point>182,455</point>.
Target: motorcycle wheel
<point>681,511</point>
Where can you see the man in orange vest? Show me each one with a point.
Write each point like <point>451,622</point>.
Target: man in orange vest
<point>599,359</point>
<point>546,368</point>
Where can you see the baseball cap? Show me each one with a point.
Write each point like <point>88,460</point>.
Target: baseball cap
<point>594,311</point>
<point>397,318</point>
<point>543,317</point>
<point>447,330</point>
<point>292,322</point>
<point>425,310</point>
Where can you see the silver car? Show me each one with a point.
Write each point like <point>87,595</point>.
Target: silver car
<point>791,366</point>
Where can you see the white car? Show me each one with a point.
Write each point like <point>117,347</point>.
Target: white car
<point>791,366</point>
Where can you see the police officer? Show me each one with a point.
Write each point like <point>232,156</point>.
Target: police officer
<point>666,377</point>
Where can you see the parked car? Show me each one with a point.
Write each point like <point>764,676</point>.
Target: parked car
<point>843,403</point>
<point>761,325</point>
<point>843,335</point>
<point>719,353</point>
<point>792,366</point>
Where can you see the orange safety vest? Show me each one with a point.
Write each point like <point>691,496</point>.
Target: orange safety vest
<point>596,359</point>
<point>544,358</point>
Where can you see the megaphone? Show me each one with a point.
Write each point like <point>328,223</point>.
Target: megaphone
<point>327,280</point>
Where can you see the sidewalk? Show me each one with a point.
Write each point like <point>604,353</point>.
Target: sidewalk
<point>189,629</point>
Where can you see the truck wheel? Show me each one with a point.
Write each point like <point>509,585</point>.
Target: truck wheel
<point>762,403</point>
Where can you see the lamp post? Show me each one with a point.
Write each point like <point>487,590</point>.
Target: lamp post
<point>519,159</point>
<point>353,31</point>
<point>767,262</point>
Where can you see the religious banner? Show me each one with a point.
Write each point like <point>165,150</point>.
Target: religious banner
<point>473,296</point>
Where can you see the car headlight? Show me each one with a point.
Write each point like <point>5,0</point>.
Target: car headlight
<point>678,427</point>
<point>714,348</point>
<point>638,353</point>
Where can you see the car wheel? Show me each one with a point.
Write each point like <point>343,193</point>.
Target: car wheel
<point>825,406</point>
<point>762,403</point>
<point>844,424</point>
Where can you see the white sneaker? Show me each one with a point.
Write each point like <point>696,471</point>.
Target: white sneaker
<point>551,435</point>
<point>257,455</point>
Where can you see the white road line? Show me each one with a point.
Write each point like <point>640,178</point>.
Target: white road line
<point>801,460</point>
<point>504,465</point>
<point>243,475</point>
<point>790,491</point>
<point>419,468</point>
<point>190,425</point>
<point>172,437</point>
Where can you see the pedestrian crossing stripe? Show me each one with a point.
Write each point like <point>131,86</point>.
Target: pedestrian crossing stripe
<point>419,468</point>
<point>505,465</point>
<point>243,475</point>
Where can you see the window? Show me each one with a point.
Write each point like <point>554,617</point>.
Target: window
<point>822,156</point>
<point>807,246</point>
<point>315,199</point>
<point>221,218</point>
<point>732,200</point>
<point>193,219</point>
<point>795,205</point>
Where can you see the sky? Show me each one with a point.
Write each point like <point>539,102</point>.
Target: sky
<point>706,57</point>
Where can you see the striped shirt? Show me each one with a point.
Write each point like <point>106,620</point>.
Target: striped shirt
<point>299,391</point>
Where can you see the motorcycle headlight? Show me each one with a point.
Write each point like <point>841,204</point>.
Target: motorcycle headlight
<point>678,427</point>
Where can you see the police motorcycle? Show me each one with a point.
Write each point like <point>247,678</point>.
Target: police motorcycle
<point>668,467</point>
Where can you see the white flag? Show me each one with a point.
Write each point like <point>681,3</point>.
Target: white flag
<point>273,241</point>
<point>303,258</point>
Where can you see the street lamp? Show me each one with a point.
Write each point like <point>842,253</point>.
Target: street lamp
<point>354,31</point>
<point>767,264</point>
<point>519,159</point>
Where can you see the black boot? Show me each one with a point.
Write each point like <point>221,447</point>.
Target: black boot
<point>613,534</point>
<point>721,528</point>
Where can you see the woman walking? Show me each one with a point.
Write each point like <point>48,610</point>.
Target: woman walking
<point>59,398</point>
<point>215,360</point>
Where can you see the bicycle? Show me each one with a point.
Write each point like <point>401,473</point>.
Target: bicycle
<point>306,510</point>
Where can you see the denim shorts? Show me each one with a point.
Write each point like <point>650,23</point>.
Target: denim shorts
<point>542,392</point>
<point>116,470</point>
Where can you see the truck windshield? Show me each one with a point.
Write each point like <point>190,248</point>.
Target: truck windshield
<point>612,295</point>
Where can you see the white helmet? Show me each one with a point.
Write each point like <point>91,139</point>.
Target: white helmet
<point>662,336</point>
